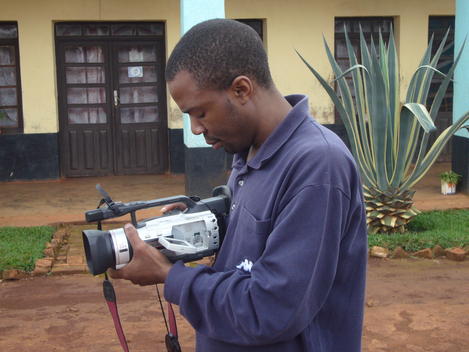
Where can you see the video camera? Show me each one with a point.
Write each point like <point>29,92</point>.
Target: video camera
<point>188,235</point>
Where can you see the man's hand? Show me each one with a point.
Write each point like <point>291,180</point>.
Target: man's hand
<point>170,207</point>
<point>147,267</point>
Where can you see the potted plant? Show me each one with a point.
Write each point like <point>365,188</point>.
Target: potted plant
<point>449,179</point>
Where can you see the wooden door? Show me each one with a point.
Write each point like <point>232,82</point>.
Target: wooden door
<point>86,141</point>
<point>112,102</point>
<point>140,137</point>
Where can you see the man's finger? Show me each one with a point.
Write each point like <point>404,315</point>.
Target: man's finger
<point>169,207</point>
<point>132,234</point>
<point>115,274</point>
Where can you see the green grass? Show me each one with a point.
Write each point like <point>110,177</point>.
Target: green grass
<point>21,246</point>
<point>449,228</point>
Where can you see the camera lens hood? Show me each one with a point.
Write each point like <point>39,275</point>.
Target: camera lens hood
<point>98,250</point>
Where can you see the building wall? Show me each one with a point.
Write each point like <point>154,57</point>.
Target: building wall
<point>297,24</point>
<point>301,24</point>
<point>36,44</point>
<point>292,25</point>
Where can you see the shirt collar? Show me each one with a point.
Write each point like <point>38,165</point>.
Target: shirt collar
<point>281,134</point>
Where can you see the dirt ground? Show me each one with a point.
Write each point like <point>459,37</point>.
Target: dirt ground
<point>34,203</point>
<point>412,305</point>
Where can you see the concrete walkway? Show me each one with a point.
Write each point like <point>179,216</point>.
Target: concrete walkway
<point>65,202</point>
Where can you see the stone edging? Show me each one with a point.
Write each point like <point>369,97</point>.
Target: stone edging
<point>455,253</point>
<point>55,251</point>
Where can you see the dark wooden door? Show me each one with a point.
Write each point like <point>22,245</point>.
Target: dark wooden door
<point>86,140</point>
<point>138,99</point>
<point>112,106</point>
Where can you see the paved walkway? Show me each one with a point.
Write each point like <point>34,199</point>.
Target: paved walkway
<point>65,201</point>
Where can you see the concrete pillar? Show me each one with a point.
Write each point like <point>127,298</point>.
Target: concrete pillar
<point>460,157</point>
<point>204,167</point>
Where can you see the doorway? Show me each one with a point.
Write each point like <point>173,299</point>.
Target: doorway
<point>112,98</point>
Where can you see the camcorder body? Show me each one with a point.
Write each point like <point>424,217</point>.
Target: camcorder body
<point>187,235</point>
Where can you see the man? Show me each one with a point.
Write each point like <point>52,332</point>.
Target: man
<point>290,275</point>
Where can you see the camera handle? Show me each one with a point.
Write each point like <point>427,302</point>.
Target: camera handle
<point>117,209</point>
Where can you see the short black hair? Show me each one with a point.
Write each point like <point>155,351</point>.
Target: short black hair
<point>217,51</point>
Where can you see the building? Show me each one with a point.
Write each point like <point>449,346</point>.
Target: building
<point>82,89</point>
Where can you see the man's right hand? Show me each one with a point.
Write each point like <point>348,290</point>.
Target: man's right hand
<point>170,207</point>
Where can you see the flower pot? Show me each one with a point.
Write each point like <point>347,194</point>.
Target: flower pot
<point>448,188</point>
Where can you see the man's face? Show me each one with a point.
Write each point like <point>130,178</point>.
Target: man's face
<point>215,113</point>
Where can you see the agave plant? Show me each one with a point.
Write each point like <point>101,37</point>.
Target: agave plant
<point>389,138</point>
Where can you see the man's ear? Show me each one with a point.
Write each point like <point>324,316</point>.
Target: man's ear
<point>242,89</point>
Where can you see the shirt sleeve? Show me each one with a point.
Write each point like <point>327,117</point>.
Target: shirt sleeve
<point>287,285</point>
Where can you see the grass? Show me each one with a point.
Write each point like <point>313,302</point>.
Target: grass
<point>449,228</point>
<point>21,246</point>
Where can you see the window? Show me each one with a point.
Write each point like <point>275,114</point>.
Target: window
<point>11,115</point>
<point>371,27</point>
<point>255,24</point>
<point>438,26</point>
<point>111,29</point>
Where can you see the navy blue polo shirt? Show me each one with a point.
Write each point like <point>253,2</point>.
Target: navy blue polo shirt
<point>290,275</point>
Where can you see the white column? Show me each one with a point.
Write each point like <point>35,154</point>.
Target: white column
<point>460,141</point>
<point>193,12</point>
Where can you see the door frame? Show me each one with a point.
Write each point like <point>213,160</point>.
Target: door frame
<point>108,43</point>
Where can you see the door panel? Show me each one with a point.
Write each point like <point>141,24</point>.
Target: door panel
<point>138,75</point>
<point>85,114</point>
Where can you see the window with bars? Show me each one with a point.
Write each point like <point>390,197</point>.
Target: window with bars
<point>371,27</point>
<point>437,27</point>
<point>11,116</point>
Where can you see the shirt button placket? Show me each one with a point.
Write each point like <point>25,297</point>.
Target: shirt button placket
<point>240,184</point>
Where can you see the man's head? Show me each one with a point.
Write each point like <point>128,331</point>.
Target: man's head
<point>214,52</point>
<point>216,74</point>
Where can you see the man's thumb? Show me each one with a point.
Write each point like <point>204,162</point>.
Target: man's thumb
<point>132,234</point>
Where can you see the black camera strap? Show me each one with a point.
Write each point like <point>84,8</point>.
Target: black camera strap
<point>171,339</point>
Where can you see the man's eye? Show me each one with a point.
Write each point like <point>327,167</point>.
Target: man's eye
<point>201,116</point>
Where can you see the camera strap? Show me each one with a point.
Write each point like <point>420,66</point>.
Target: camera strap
<point>110,296</point>
<point>171,338</point>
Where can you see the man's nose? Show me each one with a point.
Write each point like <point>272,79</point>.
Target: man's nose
<point>197,127</point>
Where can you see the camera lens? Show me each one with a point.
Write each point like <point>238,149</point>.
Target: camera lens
<point>98,250</point>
